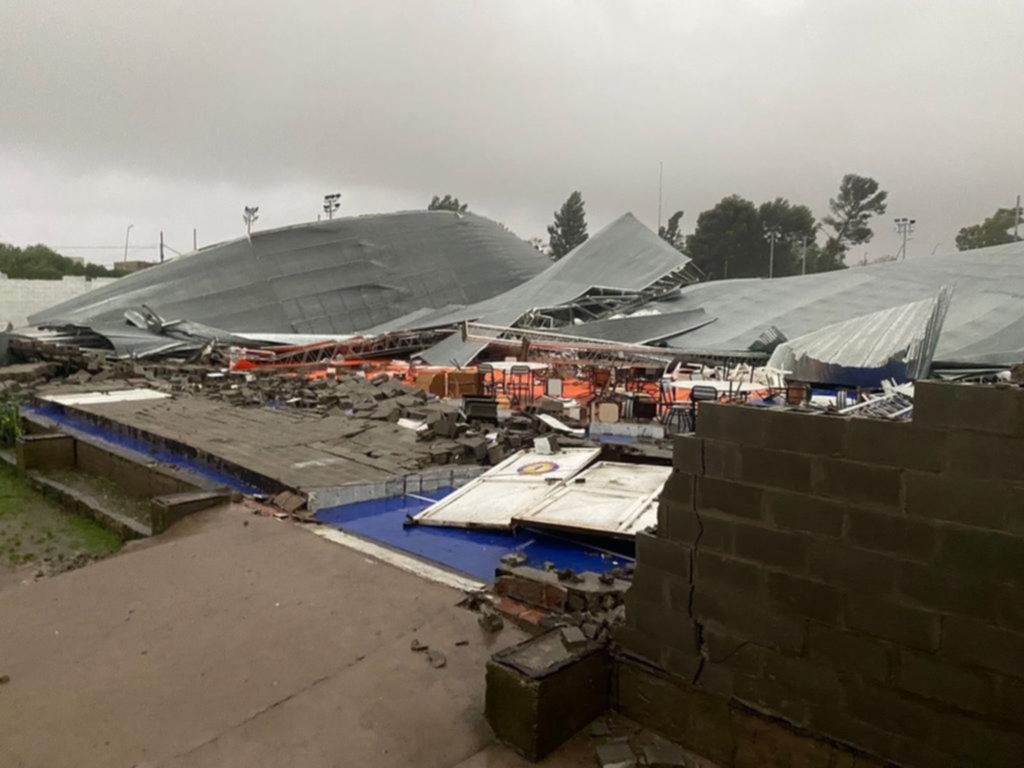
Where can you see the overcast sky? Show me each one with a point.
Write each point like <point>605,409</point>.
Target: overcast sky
<point>174,115</point>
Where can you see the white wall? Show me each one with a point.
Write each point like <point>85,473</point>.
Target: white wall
<point>21,298</point>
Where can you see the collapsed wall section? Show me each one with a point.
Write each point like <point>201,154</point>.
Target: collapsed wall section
<point>861,581</point>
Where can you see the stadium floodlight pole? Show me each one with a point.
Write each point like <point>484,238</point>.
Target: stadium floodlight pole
<point>904,227</point>
<point>1016,219</point>
<point>250,216</point>
<point>331,204</point>
<point>127,232</point>
<point>772,235</point>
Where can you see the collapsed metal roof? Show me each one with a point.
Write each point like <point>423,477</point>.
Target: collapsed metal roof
<point>984,324</point>
<point>618,264</point>
<point>331,277</point>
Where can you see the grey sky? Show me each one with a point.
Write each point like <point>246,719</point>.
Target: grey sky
<point>175,114</point>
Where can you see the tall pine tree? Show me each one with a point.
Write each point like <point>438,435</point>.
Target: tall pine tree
<point>570,227</point>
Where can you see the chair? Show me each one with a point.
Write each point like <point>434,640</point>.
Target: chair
<point>487,380</point>
<point>520,384</point>
<point>700,393</point>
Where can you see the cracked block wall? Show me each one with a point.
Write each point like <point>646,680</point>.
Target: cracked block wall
<point>862,580</point>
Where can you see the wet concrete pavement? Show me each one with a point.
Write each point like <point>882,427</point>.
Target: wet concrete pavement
<point>242,640</point>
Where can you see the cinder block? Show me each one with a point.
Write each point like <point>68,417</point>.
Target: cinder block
<point>657,622</point>
<point>854,570</point>
<point>732,423</point>
<point>899,535</point>
<point>909,626</point>
<point>1010,701</point>
<point>166,510</point>
<point>677,522</point>
<point>815,683</point>
<point>535,708</point>
<point>663,554</point>
<point>729,496</point>
<point>716,532</point>
<point>771,547</point>
<point>776,469</point>
<point>773,698</point>
<point>887,709</point>
<point>985,554</point>
<point>737,574</point>
<point>849,652</point>
<point>746,617</point>
<point>722,460</point>
<point>933,678</point>
<point>895,444</point>
<point>1009,606</point>
<point>942,590</point>
<point>798,512</point>
<point>990,457</point>
<point>640,644</point>
<point>856,482</point>
<point>974,642</point>
<point>979,744</point>
<point>669,590</point>
<point>679,488</point>
<point>978,407</point>
<point>977,503</point>
<point>688,454</point>
<point>742,656</point>
<point>803,432</point>
<point>802,597</point>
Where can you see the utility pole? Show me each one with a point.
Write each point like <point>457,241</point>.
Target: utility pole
<point>772,235</point>
<point>660,169</point>
<point>194,246</point>
<point>249,217</point>
<point>1016,219</point>
<point>904,227</point>
<point>161,246</point>
<point>803,257</point>
<point>331,204</point>
<point>126,233</point>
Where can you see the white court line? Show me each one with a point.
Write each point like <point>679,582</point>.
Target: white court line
<point>407,563</point>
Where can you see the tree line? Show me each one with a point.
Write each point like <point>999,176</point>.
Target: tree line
<point>732,239</point>
<point>37,262</point>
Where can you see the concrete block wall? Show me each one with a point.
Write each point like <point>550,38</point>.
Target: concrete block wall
<point>21,298</point>
<point>861,580</point>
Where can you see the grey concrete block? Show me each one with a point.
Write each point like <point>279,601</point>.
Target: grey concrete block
<point>799,512</point>
<point>803,597</point>
<point>897,534</point>
<point>930,677</point>
<point>849,652</point>
<point>979,744</point>
<point>977,503</point>
<point>979,644</point>
<point>777,469</point>
<point>747,617</point>
<point>722,460</point>
<point>663,554</point>
<point>803,432</point>
<point>851,569</point>
<point>884,708</point>
<point>895,444</point>
<point>679,488</point>
<point>709,566</point>
<point>983,456</point>
<point>677,522</point>
<point>732,423</point>
<point>912,627</point>
<point>773,548</point>
<point>816,683</point>
<point>976,407</point>
<point>730,496</point>
<point>1009,704</point>
<point>983,554</point>
<point>946,591</point>
<point>773,698</point>
<point>856,481</point>
<point>716,532</point>
<point>688,454</point>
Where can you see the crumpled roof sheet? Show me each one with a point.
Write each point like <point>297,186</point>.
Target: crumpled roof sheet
<point>625,255</point>
<point>330,277</point>
<point>896,343</point>
<point>984,324</point>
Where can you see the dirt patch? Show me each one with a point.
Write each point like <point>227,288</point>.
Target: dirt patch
<point>38,538</point>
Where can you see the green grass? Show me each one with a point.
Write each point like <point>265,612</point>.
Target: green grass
<point>34,529</point>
